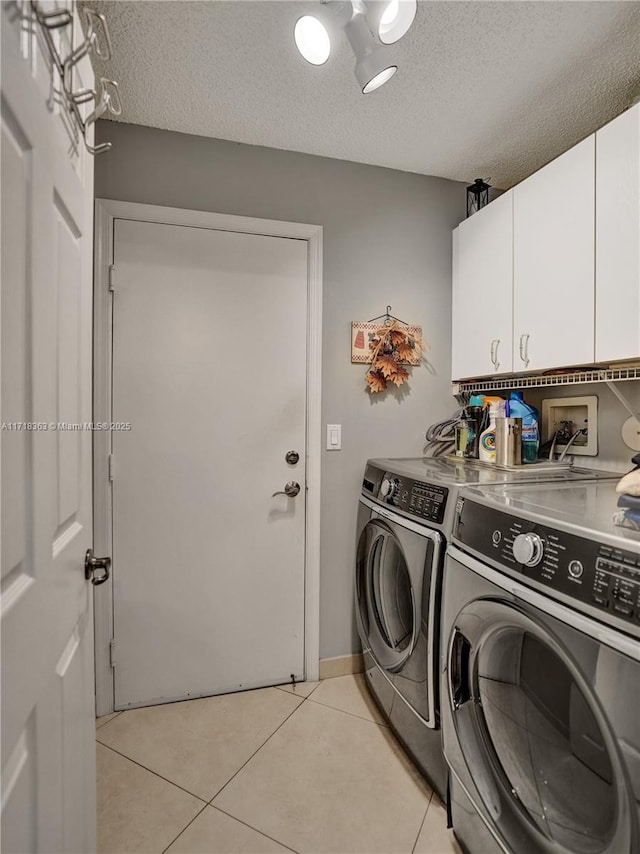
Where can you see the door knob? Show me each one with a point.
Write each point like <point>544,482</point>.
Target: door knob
<point>94,564</point>
<point>290,489</point>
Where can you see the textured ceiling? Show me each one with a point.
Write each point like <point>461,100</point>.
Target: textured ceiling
<point>486,88</point>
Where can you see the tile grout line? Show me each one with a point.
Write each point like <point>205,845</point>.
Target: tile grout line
<point>208,803</point>
<point>303,700</point>
<point>424,818</point>
<point>318,703</point>
<point>235,818</point>
<point>205,803</point>
<point>115,715</point>
<point>185,827</point>
<point>299,706</point>
<point>288,691</point>
<point>222,788</point>
<point>255,829</point>
<point>353,714</point>
<point>177,785</point>
<point>383,726</point>
<point>151,771</point>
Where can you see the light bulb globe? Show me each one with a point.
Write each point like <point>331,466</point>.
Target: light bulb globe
<point>396,20</point>
<point>379,79</point>
<point>312,40</point>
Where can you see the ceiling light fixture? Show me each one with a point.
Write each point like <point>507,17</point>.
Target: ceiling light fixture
<point>312,39</point>
<point>313,34</point>
<point>374,65</point>
<point>372,81</point>
<point>391,19</point>
<point>370,27</point>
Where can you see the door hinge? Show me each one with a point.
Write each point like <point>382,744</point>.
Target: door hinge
<point>112,652</point>
<point>112,277</point>
<point>110,459</point>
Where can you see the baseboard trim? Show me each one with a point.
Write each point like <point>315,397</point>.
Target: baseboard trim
<point>341,665</point>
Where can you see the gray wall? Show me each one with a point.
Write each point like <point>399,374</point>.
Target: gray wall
<point>387,240</point>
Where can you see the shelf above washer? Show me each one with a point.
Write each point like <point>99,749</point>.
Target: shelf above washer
<point>591,375</point>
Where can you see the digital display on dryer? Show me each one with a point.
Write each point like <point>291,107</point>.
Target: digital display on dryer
<point>428,500</point>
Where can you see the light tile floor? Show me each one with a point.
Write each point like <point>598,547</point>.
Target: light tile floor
<point>311,769</point>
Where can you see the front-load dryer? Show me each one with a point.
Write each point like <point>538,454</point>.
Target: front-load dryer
<point>541,672</point>
<point>405,517</point>
<point>398,566</point>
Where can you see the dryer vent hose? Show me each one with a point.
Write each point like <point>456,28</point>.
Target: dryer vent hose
<point>441,435</point>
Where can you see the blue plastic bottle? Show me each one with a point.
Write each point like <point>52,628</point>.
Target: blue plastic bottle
<point>530,429</point>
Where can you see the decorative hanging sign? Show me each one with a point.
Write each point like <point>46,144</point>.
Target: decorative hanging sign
<point>387,347</point>
<point>364,333</point>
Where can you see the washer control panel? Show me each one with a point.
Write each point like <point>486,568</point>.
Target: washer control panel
<point>427,501</point>
<point>604,577</point>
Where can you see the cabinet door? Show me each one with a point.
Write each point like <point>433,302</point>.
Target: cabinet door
<point>554,266</point>
<point>618,238</point>
<point>482,292</point>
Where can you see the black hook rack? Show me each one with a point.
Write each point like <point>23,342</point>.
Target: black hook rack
<point>388,318</point>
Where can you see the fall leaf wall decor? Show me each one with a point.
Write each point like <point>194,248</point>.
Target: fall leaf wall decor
<point>387,348</point>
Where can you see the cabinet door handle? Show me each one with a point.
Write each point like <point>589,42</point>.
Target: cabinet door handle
<point>494,353</point>
<point>524,348</point>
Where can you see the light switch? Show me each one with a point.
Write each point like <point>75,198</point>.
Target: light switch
<point>334,437</point>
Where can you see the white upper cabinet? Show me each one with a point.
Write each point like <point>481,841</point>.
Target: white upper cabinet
<point>554,266</point>
<point>482,331</point>
<point>565,269</point>
<point>618,238</point>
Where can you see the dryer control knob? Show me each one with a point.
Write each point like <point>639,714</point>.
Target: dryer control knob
<point>389,487</point>
<point>528,549</point>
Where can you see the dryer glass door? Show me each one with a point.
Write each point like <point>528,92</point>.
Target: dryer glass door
<point>386,598</point>
<point>391,598</point>
<point>542,755</point>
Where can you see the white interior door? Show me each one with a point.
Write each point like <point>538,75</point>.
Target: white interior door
<point>209,368</point>
<point>48,749</point>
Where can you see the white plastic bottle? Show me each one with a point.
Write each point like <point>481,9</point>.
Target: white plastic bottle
<point>487,445</point>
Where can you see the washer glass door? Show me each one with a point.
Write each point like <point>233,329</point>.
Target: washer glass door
<point>385,595</point>
<point>533,735</point>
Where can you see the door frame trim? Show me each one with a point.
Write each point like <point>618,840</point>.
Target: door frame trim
<point>106,212</point>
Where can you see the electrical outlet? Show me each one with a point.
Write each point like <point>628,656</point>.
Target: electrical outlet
<point>563,417</point>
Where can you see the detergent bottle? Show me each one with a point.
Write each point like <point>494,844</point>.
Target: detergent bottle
<point>473,423</point>
<point>530,430</point>
<point>477,400</point>
<point>487,449</point>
